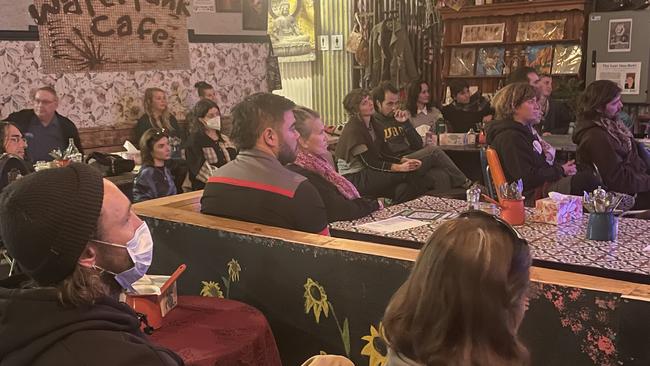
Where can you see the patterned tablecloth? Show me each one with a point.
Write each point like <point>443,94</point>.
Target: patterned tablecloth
<point>551,245</point>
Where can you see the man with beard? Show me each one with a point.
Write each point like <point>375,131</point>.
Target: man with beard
<point>256,187</point>
<point>402,142</point>
<point>79,245</point>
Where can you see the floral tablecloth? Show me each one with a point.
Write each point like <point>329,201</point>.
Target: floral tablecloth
<point>559,244</point>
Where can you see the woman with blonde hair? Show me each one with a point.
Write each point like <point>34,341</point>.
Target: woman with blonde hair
<point>465,298</point>
<point>342,199</point>
<point>157,116</point>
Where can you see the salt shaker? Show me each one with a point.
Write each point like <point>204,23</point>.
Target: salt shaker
<point>473,198</point>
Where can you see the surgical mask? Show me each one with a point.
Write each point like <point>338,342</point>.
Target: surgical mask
<point>140,249</point>
<point>214,123</point>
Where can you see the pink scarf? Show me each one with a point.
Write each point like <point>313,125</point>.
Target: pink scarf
<point>322,167</point>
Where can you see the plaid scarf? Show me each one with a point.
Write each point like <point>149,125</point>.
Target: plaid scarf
<point>320,166</point>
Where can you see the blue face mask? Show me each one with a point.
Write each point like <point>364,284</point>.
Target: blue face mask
<point>140,249</point>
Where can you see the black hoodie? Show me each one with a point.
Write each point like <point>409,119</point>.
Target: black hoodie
<point>514,143</point>
<point>621,170</point>
<point>36,330</point>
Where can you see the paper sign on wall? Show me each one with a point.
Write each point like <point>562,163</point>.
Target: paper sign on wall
<point>96,36</point>
<point>626,74</point>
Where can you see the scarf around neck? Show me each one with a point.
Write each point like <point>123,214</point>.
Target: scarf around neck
<point>617,129</point>
<point>320,166</point>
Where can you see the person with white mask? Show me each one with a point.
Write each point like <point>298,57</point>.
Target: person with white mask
<point>207,148</point>
<point>79,246</point>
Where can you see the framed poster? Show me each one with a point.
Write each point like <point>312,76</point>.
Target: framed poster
<point>620,35</point>
<point>626,74</point>
<point>490,61</point>
<point>482,33</point>
<point>566,59</point>
<point>542,30</point>
<point>462,61</point>
<point>255,14</point>
<point>229,6</point>
<point>540,58</point>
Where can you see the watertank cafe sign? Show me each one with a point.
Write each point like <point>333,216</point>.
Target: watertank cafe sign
<point>112,35</point>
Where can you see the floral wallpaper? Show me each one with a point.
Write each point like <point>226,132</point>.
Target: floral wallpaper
<point>106,99</point>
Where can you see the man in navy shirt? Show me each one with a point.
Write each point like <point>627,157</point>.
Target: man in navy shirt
<point>44,128</point>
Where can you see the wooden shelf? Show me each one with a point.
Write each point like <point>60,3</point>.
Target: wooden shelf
<point>521,43</point>
<point>476,77</point>
<point>514,8</point>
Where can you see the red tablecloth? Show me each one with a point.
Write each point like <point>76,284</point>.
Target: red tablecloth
<point>209,331</point>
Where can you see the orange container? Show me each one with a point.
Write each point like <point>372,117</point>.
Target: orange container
<point>513,211</point>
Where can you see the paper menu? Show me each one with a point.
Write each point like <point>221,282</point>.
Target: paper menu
<point>393,224</point>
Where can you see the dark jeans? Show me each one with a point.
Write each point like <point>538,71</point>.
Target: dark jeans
<point>399,187</point>
<point>442,172</point>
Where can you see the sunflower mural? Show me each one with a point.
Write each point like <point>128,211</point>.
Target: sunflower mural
<point>211,288</point>
<point>376,348</point>
<point>316,299</point>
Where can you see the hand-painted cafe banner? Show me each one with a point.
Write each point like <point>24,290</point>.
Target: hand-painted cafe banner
<point>112,35</point>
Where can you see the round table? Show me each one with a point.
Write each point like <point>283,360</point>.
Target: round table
<point>212,331</point>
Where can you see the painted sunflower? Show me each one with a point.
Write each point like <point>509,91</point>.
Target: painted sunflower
<point>376,348</point>
<point>211,289</point>
<point>233,270</point>
<point>315,297</point>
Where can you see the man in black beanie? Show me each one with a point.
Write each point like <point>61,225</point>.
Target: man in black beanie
<point>78,243</point>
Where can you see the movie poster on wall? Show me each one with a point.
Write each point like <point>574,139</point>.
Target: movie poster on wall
<point>292,31</point>
<point>620,35</point>
<point>112,36</point>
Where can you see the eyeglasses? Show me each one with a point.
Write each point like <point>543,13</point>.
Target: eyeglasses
<point>501,222</point>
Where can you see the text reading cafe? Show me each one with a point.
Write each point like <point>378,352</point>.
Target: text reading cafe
<point>325,183</point>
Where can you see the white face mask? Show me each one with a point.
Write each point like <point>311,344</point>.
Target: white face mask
<point>140,249</point>
<point>214,123</point>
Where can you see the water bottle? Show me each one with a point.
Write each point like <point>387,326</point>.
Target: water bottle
<point>473,198</point>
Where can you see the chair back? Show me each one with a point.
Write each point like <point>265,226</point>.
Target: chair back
<point>485,169</point>
<point>496,171</point>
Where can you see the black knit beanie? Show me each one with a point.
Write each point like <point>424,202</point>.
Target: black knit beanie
<point>47,218</point>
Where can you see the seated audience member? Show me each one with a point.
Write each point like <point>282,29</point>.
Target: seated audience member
<point>13,141</point>
<point>360,160</point>
<point>13,165</point>
<point>423,115</point>
<point>207,148</point>
<point>556,115</point>
<point>206,91</point>
<point>465,298</point>
<point>603,140</point>
<point>466,111</point>
<point>341,198</point>
<point>44,128</point>
<point>402,141</point>
<point>154,179</point>
<point>255,187</point>
<point>157,115</point>
<point>64,309</point>
<point>522,154</point>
